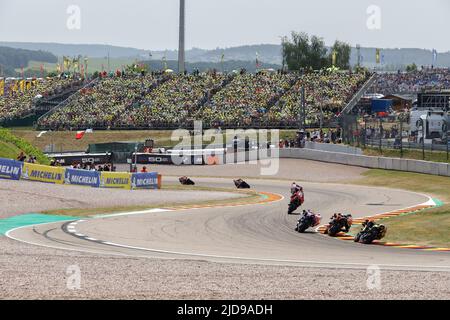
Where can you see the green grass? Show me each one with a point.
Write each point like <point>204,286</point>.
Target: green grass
<point>429,227</point>
<point>8,150</point>
<point>65,140</point>
<point>436,186</point>
<point>436,156</point>
<point>13,145</point>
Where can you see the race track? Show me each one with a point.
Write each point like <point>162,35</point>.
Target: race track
<point>253,234</point>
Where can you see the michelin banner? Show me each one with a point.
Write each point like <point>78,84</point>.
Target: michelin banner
<point>10,169</point>
<point>82,178</point>
<point>119,180</point>
<point>148,180</point>
<point>36,172</point>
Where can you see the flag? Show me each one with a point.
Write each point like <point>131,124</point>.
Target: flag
<point>2,87</point>
<point>76,64</point>
<point>334,58</point>
<point>258,63</point>
<point>80,135</point>
<point>377,56</point>
<point>67,63</point>
<point>164,60</point>
<point>41,134</point>
<point>86,65</point>
<point>435,55</point>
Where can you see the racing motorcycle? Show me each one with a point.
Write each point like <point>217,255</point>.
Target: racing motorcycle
<point>297,200</point>
<point>339,223</point>
<point>371,232</point>
<point>309,219</point>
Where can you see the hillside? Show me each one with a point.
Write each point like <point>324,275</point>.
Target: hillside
<point>11,146</point>
<point>90,50</point>
<point>394,58</point>
<point>11,58</point>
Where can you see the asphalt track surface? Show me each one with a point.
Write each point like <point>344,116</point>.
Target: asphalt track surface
<point>252,234</point>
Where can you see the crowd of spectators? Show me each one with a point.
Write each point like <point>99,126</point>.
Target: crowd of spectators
<point>92,167</point>
<point>326,92</point>
<point>236,99</point>
<point>101,104</point>
<point>248,97</point>
<point>175,101</point>
<point>412,82</point>
<point>18,104</point>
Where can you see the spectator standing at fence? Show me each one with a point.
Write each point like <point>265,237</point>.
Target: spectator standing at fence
<point>21,157</point>
<point>31,159</point>
<point>144,169</point>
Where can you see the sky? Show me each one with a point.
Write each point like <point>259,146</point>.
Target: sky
<point>153,24</point>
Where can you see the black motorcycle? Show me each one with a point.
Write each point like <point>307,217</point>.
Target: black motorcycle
<point>370,233</point>
<point>307,221</point>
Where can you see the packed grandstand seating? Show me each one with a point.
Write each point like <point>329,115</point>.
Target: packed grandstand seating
<point>247,98</point>
<point>176,100</point>
<point>101,104</point>
<point>17,104</point>
<point>168,100</point>
<point>412,82</point>
<point>237,99</point>
<point>327,91</point>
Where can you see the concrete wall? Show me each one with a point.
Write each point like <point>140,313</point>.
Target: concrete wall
<point>418,166</point>
<point>333,148</point>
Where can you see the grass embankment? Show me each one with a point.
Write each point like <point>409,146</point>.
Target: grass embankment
<point>65,140</point>
<point>11,146</point>
<point>436,156</point>
<point>430,227</point>
<point>247,197</point>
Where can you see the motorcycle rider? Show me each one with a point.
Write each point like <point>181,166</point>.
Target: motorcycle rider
<point>295,188</point>
<point>338,217</point>
<point>368,224</point>
<point>297,197</point>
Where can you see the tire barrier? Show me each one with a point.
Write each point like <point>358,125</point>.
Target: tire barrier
<point>16,170</point>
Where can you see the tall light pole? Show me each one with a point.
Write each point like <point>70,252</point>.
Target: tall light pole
<point>181,46</point>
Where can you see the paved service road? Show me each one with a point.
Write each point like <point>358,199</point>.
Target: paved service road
<point>259,234</point>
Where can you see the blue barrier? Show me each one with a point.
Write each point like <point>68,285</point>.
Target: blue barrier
<point>144,180</point>
<point>82,177</point>
<point>10,169</point>
<point>16,170</point>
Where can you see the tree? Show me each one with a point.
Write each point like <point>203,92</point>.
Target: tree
<point>317,53</point>
<point>411,67</point>
<point>301,51</point>
<point>342,51</point>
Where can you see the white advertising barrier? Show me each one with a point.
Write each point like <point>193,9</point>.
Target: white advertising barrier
<point>418,166</point>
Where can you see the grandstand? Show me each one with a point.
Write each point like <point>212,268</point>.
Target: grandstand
<point>27,99</point>
<point>161,100</point>
<point>412,82</point>
<point>239,99</point>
